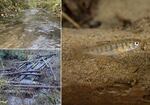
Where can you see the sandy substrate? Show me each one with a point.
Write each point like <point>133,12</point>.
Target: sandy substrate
<point>84,73</point>
<point>102,80</point>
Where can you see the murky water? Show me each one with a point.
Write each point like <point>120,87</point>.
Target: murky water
<point>34,28</point>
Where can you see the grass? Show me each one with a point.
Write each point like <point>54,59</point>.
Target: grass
<point>52,98</point>
<point>50,5</point>
<point>3,100</point>
<point>11,8</point>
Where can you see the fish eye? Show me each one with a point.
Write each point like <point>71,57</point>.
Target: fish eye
<point>136,43</point>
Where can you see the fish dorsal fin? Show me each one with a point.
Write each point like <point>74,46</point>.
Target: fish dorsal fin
<point>103,43</point>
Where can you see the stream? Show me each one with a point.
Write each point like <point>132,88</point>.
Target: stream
<point>34,81</point>
<point>33,28</point>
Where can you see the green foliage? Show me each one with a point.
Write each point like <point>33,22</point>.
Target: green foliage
<point>3,102</point>
<point>18,54</point>
<point>54,98</point>
<point>32,3</point>
<point>50,5</point>
<point>2,82</point>
<point>2,54</point>
<point>13,54</point>
<point>10,8</point>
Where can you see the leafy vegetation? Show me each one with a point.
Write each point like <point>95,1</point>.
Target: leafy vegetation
<point>3,100</point>
<point>52,98</point>
<point>17,54</point>
<point>11,8</point>
<point>50,5</point>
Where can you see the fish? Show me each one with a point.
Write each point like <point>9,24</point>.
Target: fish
<point>117,47</point>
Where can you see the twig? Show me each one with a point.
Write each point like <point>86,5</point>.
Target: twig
<point>50,69</point>
<point>2,63</point>
<point>75,24</point>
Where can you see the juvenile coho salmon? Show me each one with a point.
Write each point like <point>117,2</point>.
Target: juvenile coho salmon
<point>114,47</point>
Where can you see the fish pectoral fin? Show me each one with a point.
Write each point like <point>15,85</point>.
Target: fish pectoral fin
<point>118,59</point>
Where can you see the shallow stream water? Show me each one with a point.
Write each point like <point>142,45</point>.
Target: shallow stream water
<point>33,28</point>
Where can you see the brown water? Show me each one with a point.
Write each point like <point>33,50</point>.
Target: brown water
<point>34,28</point>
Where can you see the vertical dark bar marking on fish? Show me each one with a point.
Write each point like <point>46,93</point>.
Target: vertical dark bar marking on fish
<point>106,48</point>
<point>114,47</point>
<point>98,50</point>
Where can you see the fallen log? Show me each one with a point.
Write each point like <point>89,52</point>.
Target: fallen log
<point>8,69</point>
<point>33,86</point>
<point>14,82</point>
<point>22,73</point>
<point>48,65</point>
<point>19,91</point>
